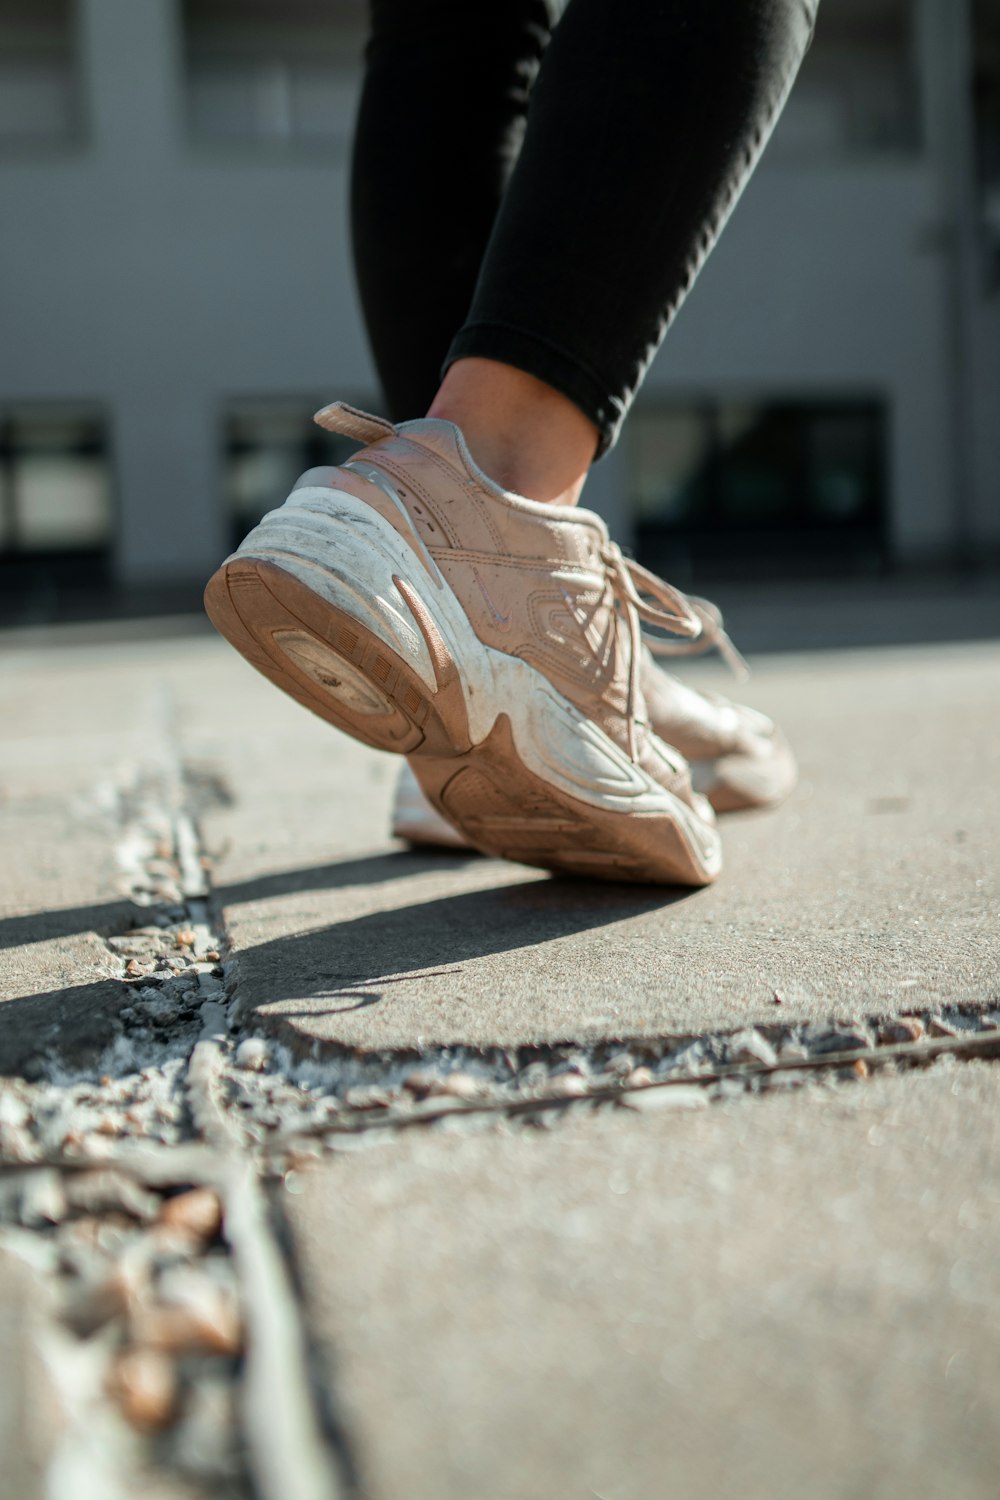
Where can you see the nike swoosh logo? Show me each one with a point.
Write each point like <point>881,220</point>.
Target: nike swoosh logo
<point>503,621</point>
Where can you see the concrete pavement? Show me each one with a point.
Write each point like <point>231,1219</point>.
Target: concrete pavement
<point>874,890</point>
<point>777,1300</point>
<point>775,1293</point>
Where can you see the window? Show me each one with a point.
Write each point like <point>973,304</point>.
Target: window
<point>725,484</point>
<point>857,93</point>
<point>39,89</point>
<point>268,444</point>
<point>272,73</point>
<point>55,485</point>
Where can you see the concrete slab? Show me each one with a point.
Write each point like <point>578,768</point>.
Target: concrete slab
<point>779,1297</point>
<point>875,889</point>
<point>29,1409</point>
<point>789,1295</point>
<point>74,732</point>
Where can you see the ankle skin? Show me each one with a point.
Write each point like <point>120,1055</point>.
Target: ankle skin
<point>526,436</point>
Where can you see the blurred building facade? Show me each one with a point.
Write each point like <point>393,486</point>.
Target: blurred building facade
<point>176,297</point>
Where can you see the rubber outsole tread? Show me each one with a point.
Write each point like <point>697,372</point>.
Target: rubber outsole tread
<point>331,664</point>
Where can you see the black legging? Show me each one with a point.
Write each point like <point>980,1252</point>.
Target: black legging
<point>543,191</point>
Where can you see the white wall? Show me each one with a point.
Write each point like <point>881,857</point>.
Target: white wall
<point>138,273</point>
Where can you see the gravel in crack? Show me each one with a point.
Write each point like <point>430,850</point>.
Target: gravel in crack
<point>147,1315</point>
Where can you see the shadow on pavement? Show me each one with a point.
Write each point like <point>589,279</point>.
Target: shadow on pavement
<point>355,960</point>
<point>118,916</point>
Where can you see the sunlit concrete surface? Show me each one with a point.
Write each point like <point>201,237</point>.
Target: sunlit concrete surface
<point>783,1293</point>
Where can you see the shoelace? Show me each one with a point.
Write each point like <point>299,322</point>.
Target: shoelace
<point>696,622</point>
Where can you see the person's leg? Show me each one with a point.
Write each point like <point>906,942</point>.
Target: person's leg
<point>439,127</point>
<point>525,432</point>
<point>625,179</point>
<point>449,82</point>
<point>645,123</point>
<point>426,609</point>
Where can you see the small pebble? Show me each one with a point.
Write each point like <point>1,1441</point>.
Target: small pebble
<point>640,1078</point>
<point>13,1111</point>
<point>16,1145</point>
<point>201,1319</point>
<point>750,1047</point>
<point>367,1098</point>
<point>419,1082</point>
<point>902,1029</point>
<point>689,1058</point>
<point>252,1055</point>
<point>841,1039</point>
<point>462,1086</point>
<point>568,1086</point>
<point>197,1213</point>
<point>43,1200</point>
<point>534,1076</point>
<point>144,1382</point>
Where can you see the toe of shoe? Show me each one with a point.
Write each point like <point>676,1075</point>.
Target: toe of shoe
<point>759,777</point>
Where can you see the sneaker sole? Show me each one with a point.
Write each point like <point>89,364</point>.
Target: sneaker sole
<point>330,602</point>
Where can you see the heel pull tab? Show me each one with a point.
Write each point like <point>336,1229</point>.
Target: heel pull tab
<point>340,417</point>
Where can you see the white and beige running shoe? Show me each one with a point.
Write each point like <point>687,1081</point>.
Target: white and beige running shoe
<point>493,640</point>
<point>738,758</point>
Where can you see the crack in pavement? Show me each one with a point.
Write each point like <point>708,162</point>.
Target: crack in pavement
<point>199,1361</point>
<point>174,1342</point>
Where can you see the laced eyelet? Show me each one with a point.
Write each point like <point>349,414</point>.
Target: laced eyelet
<point>696,624</point>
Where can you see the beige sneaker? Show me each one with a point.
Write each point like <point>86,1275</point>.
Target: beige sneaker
<point>738,758</point>
<point>493,640</point>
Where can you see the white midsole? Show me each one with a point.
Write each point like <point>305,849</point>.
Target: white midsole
<point>346,553</point>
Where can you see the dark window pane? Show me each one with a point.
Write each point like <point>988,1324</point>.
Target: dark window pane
<point>841,464</point>
<point>56,487</point>
<point>758,463</point>
<point>671,451</point>
<point>268,444</point>
<point>39,88</point>
<point>735,484</point>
